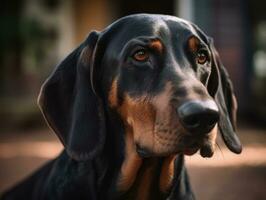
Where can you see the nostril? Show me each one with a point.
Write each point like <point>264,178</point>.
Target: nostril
<point>211,122</point>
<point>192,121</point>
<point>212,119</point>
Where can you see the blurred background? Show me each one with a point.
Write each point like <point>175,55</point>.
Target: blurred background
<point>37,34</point>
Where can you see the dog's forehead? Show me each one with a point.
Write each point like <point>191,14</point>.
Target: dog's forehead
<point>150,25</point>
<point>149,20</point>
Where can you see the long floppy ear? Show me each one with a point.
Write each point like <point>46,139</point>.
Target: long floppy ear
<point>220,86</point>
<point>70,106</point>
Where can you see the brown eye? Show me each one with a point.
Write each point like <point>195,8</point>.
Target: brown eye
<point>141,55</point>
<point>202,57</point>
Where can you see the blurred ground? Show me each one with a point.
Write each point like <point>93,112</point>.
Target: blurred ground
<point>225,176</point>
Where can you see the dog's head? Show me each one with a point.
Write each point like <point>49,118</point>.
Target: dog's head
<point>160,74</point>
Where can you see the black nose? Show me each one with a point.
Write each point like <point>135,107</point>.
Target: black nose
<point>199,116</point>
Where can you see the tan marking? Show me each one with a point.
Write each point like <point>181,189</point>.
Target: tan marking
<point>157,45</point>
<point>153,120</point>
<point>112,97</point>
<point>140,116</point>
<point>130,165</point>
<point>161,101</point>
<point>167,129</point>
<point>212,136</point>
<point>152,123</point>
<point>146,180</point>
<point>193,44</point>
<point>210,140</point>
<point>167,173</point>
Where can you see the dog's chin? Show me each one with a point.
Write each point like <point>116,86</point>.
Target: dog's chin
<point>147,153</point>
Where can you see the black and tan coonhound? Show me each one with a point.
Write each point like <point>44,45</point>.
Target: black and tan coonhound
<point>127,105</point>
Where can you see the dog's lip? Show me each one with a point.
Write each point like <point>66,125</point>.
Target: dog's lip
<point>206,150</point>
<point>190,151</point>
<point>190,146</point>
<point>143,152</point>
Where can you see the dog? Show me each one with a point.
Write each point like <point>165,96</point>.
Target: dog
<point>127,105</point>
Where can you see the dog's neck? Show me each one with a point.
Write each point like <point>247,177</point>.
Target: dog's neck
<point>141,177</point>
<point>137,178</point>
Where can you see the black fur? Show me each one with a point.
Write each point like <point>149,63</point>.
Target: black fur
<point>74,103</point>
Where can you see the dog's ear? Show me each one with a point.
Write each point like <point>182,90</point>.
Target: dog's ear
<point>71,107</point>
<point>220,87</point>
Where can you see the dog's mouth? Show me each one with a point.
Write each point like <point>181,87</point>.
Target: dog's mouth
<point>204,145</point>
<point>188,145</point>
<point>144,152</point>
<point>189,151</point>
<point>205,150</point>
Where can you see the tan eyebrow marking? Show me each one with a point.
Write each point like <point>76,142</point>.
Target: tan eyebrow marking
<point>156,44</point>
<point>193,44</point>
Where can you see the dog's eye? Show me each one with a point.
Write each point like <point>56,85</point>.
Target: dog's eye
<point>141,55</point>
<point>202,57</point>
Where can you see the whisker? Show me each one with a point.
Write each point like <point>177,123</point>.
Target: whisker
<point>219,149</point>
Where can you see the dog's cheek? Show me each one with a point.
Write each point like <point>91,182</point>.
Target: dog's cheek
<point>139,115</point>
<point>142,117</point>
<point>167,128</point>
<point>167,133</point>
